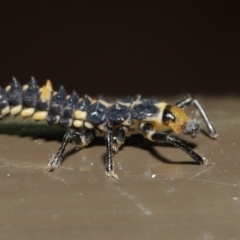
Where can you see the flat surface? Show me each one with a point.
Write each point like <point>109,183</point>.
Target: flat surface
<point>161,193</point>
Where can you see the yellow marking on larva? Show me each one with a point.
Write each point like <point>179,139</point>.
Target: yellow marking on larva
<point>106,104</point>
<point>49,85</point>
<point>80,115</point>
<point>46,91</point>
<point>78,123</point>
<point>8,88</point>
<point>25,87</point>
<point>16,110</point>
<point>149,135</point>
<point>57,119</point>
<point>99,133</point>
<point>157,120</point>
<point>88,125</point>
<point>123,103</point>
<point>27,112</point>
<point>82,144</point>
<point>5,110</point>
<point>127,122</point>
<point>102,127</point>
<point>133,128</point>
<point>41,115</point>
<point>100,101</point>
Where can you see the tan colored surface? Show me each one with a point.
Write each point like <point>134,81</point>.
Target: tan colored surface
<point>152,200</point>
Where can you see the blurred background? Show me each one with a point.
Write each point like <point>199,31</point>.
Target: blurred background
<point>123,47</point>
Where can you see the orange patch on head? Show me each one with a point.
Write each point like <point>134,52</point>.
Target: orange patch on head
<point>181,120</point>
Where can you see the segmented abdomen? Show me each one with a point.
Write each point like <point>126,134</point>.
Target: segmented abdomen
<point>71,110</point>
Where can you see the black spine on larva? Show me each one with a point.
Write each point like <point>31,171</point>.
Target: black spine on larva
<point>30,95</point>
<point>144,110</point>
<point>117,114</point>
<point>84,103</point>
<point>96,113</point>
<point>68,109</point>
<point>41,106</point>
<point>57,101</point>
<point>3,98</point>
<point>56,105</point>
<point>70,105</point>
<point>15,93</point>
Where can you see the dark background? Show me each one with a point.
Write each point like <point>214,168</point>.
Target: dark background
<point>123,47</point>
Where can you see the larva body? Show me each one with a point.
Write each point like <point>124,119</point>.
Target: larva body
<point>86,118</point>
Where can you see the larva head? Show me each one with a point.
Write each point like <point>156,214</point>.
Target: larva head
<point>178,121</point>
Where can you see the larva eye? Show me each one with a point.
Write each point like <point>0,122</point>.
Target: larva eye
<point>168,115</point>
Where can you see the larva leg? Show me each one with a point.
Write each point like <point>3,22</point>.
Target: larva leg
<point>114,141</point>
<point>161,137</point>
<point>81,139</point>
